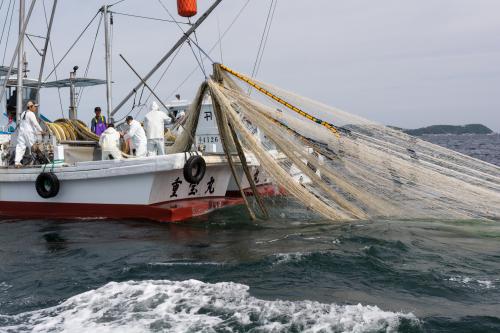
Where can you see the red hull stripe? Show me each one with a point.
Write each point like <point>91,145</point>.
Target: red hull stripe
<point>167,212</point>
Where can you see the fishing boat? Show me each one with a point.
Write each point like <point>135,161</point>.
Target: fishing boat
<point>78,184</point>
<point>71,181</point>
<point>229,146</point>
<point>150,188</point>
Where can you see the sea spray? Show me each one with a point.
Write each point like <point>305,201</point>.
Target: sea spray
<point>194,306</point>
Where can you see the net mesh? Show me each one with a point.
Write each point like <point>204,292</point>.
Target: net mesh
<point>366,171</point>
<point>186,129</point>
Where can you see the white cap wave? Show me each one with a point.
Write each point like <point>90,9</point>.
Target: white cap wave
<point>194,306</point>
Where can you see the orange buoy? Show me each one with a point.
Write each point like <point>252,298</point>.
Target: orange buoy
<point>186,8</point>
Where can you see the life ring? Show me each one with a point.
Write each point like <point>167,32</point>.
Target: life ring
<point>47,185</point>
<point>194,169</point>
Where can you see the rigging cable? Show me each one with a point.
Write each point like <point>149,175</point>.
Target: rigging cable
<point>112,34</point>
<point>197,60</point>
<point>74,43</point>
<point>147,17</point>
<point>267,37</point>
<point>263,41</point>
<point>53,60</point>
<point>139,103</point>
<point>262,38</point>
<point>5,21</point>
<point>189,40</point>
<point>242,9</point>
<point>87,68</point>
<point>199,51</point>
<point>142,93</point>
<point>116,3</point>
<point>159,80</point>
<point>150,93</point>
<point>33,44</point>
<point>134,105</point>
<point>220,44</point>
<point>8,34</point>
<point>135,96</point>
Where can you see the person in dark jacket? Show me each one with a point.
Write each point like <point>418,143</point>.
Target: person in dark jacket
<point>98,124</point>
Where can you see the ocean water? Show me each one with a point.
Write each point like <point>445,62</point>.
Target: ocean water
<point>224,273</point>
<point>480,146</point>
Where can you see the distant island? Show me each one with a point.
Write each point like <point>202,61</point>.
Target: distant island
<point>448,129</point>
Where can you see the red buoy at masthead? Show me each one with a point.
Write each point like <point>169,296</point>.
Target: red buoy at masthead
<point>186,8</point>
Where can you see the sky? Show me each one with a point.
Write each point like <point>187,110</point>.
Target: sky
<point>403,63</point>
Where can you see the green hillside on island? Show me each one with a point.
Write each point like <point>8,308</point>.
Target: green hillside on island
<point>450,129</point>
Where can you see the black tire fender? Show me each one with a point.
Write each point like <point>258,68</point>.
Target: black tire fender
<point>47,185</point>
<point>194,169</point>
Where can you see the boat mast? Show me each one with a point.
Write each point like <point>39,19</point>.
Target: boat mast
<point>108,60</point>
<point>45,51</point>
<point>16,51</point>
<point>20,72</point>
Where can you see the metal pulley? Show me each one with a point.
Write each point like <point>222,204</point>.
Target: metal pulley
<point>186,8</point>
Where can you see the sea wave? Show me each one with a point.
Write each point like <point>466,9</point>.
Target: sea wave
<point>194,306</point>
<point>284,258</point>
<point>474,283</point>
<point>186,263</point>
<point>4,286</point>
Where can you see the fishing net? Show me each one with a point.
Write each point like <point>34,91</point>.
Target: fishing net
<point>346,167</point>
<point>186,129</point>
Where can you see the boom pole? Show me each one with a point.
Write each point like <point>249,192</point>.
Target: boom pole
<point>147,86</point>
<point>184,37</point>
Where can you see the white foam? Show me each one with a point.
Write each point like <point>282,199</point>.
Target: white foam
<point>283,258</point>
<point>485,283</point>
<point>4,286</point>
<point>186,263</point>
<point>193,306</point>
<point>471,283</point>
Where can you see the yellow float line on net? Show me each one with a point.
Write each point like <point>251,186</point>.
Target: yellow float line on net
<point>323,123</point>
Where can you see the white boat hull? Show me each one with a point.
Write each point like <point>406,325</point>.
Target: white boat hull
<point>152,188</point>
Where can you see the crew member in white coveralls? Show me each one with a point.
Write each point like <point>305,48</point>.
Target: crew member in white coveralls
<point>137,137</point>
<point>28,132</point>
<point>110,143</point>
<point>154,125</point>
